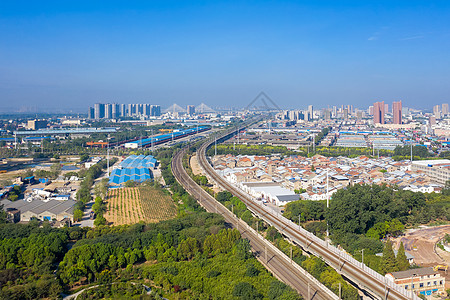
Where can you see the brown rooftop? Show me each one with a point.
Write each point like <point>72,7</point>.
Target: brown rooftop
<point>414,272</point>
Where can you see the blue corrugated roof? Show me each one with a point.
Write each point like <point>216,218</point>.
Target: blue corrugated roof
<point>133,168</point>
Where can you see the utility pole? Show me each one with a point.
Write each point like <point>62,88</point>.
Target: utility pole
<point>291,254</point>
<point>107,150</point>
<point>314,143</point>
<point>152,141</point>
<point>411,152</point>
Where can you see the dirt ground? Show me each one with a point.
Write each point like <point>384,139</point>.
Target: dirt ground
<point>421,242</point>
<point>197,170</point>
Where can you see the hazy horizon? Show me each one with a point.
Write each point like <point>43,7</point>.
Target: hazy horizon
<point>58,56</point>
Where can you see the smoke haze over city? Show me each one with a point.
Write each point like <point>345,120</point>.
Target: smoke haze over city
<point>58,56</point>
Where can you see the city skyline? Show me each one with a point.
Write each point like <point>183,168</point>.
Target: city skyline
<point>63,56</point>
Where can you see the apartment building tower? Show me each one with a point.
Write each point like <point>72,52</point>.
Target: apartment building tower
<point>397,112</point>
<point>378,112</point>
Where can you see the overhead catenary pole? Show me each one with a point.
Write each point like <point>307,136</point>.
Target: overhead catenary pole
<point>328,202</point>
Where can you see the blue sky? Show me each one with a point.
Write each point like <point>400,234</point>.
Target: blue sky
<point>71,54</point>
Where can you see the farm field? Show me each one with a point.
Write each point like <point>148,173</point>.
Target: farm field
<point>134,204</point>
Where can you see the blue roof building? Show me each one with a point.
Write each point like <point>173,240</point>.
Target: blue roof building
<point>134,167</point>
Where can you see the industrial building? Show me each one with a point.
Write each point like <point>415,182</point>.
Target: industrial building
<point>36,124</point>
<point>270,191</point>
<point>64,132</point>
<point>438,170</point>
<point>163,138</point>
<point>136,168</point>
<point>58,210</point>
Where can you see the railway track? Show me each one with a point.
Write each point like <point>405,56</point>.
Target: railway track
<point>369,281</point>
<point>274,261</point>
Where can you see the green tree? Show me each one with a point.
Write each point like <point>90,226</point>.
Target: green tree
<point>130,183</point>
<point>246,291</point>
<point>2,215</point>
<point>446,190</point>
<point>99,220</point>
<point>251,271</point>
<point>388,262</point>
<point>402,261</point>
<point>77,215</point>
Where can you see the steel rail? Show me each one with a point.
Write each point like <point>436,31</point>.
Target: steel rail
<point>365,278</point>
<point>267,254</point>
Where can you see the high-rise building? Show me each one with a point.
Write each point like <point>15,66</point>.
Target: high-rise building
<point>191,110</point>
<point>310,113</point>
<point>432,120</point>
<point>359,114</point>
<point>140,109</point>
<point>378,112</point>
<point>386,108</point>
<point>445,109</point>
<point>371,110</point>
<point>129,110</point>
<point>155,110</point>
<point>99,111</point>
<point>108,111</point>
<point>91,113</point>
<point>146,110</point>
<point>123,110</point>
<point>334,113</point>
<point>397,112</point>
<point>115,111</point>
<point>346,114</point>
<point>293,115</point>
<point>437,111</point>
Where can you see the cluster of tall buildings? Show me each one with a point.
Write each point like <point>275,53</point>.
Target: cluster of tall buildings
<point>115,110</point>
<point>380,109</point>
<point>440,111</point>
<point>295,115</point>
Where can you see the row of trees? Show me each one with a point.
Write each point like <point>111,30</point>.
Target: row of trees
<point>323,133</point>
<point>84,193</point>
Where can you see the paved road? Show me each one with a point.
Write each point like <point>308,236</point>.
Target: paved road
<point>74,296</point>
